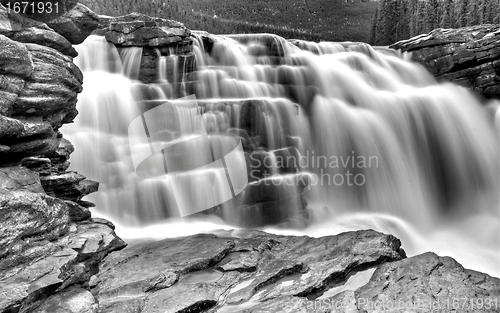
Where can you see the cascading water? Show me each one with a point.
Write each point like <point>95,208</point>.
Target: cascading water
<point>369,138</point>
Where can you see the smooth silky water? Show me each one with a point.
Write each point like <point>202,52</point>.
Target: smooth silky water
<point>425,154</point>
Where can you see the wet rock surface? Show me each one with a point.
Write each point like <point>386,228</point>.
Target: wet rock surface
<point>26,30</point>
<point>59,263</point>
<point>38,95</point>
<point>49,244</point>
<point>141,30</point>
<point>158,38</point>
<point>72,300</point>
<point>46,244</point>
<point>468,56</point>
<point>252,271</point>
<point>212,271</point>
<point>430,283</point>
<point>76,25</point>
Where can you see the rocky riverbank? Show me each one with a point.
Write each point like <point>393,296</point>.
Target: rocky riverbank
<point>251,271</point>
<point>49,244</point>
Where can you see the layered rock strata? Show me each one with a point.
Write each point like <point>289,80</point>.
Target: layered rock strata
<point>468,56</point>
<point>48,240</point>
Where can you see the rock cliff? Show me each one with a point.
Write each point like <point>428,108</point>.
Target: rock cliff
<point>48,240</point>
<point>252,271</point>
<point>468,56</point>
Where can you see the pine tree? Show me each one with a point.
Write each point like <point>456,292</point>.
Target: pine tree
<point>385,23</point>
<point>462,9</point>
<point>404,21</point>
<point>401,19</point>
<point>420,26</point>
<point>483,12</point>
<point>448,16</point>
<point>495,11</point>
<point>472,15</point>
<point>493,5</point>
<point>373,32</point>
<point>429,16</point>
<point>412,13</point>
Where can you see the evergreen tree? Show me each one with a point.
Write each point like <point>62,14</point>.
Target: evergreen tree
<point>385,23</point>
<point>483,12</point>
<point>374,30</point>
<point>420,17</point>
<point>404,18</point>
<point>448,16</point>
<point>495,11</point>
<point>412,13</point>
<point>472,15</point>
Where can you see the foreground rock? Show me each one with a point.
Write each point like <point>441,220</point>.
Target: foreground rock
<point>69,260</point>
<point>468,56</point>
<point>214,271</point>
<point>46,244</point>
<point>429,283</point>
<point>251,271</point>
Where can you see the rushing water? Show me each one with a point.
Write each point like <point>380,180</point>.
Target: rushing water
<point>381,144</point>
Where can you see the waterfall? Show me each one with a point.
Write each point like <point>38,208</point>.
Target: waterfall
<point>368,138</point>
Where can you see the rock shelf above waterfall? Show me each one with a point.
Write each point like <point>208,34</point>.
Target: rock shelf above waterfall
<point>141,30</point>
<point>468,56</point>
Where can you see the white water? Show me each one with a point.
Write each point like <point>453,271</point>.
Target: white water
<point>433,182</point>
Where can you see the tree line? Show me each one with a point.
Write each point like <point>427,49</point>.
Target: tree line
<point>194,15</point>
<point>396,20</point>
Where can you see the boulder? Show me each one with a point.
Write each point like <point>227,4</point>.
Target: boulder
<point>428,283</point>
<point>60,263</point>
<point>76,25</point>
<point>76,212</point>
<point>43,218</point>
<point>158,38</point>
<point>71,300</point>
<point>25,30</point>
<point>468,56</point>
<point>15,60</point>
<point>52,89</point>
<point>25,138</point>
<point>254,272</point>
<point>46,38</point>
<point>138,29</point>
<point>38,94</point>
<point>212,271</point>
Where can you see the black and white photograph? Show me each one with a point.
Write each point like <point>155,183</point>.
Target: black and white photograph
<point>249,156</point>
